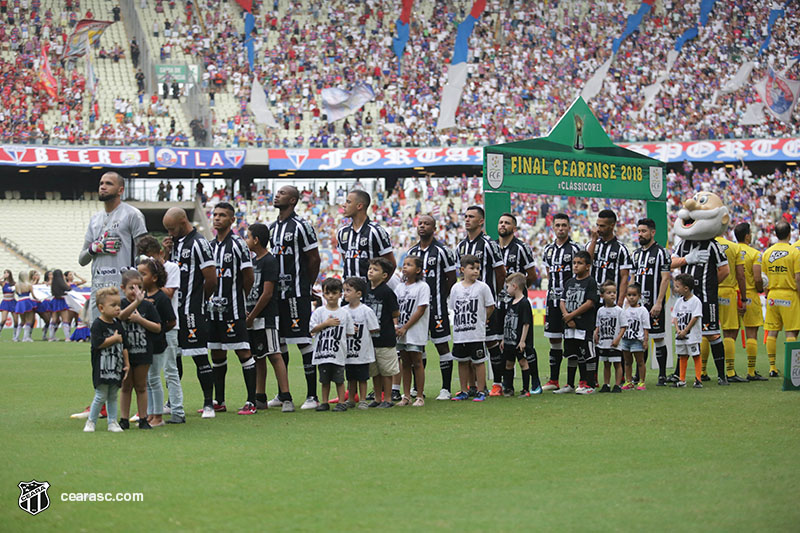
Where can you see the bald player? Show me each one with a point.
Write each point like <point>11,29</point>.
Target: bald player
<point>731,306</point>
<point>753,316</point>
<point>781,264</point>
<point>192,253</point>
<point>109,244</point>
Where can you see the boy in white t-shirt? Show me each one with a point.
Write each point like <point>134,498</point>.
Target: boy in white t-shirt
<point>330,326</point>
<point>608,334</point>
<point>472,303</point>
<point>360,352</point>
<point>413,298</point>
<point>637,323</point>
<point>686,318</point>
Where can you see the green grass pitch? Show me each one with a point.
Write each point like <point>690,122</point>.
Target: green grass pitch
<point>721,459</point>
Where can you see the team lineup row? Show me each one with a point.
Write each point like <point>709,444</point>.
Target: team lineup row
<point>255,298</point>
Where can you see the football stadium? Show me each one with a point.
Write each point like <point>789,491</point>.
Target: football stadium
<point>546,253</point>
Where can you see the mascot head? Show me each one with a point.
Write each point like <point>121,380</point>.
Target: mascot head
<point>703,217</point>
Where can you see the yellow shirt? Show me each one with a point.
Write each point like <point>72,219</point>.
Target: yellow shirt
<point>731,251</point>
<point>780,263</point>
<point>748,255</point>
<point>796,244</point>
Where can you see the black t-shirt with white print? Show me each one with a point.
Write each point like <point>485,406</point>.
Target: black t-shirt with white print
<point>140,341</point>
<point>518,315</point>
<point>107,362</point>
<point>576,293</point>
<point>383,301</point>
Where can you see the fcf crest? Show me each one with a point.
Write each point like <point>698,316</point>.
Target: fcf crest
<point>33,498</point>
<point>656,181</point>
<point>494,170</point>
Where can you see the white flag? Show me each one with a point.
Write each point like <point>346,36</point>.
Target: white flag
<point>753,115</point>
<point>595,83</point>
<point>338,103</point>
<point>258,105</point>
<point>651,91</point>
<point>739,79</point>
<point>451,95</point>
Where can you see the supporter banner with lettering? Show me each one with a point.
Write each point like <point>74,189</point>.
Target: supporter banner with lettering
<point>372,158</point>
<point>86,32</point>
<point>731,150</point>
<point>79,157</point>
<point>199,159</point>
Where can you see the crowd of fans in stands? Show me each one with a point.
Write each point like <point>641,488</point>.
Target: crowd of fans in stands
<point>528,60</point>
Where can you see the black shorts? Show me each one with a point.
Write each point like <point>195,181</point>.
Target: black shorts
<point>510,353</point>
<point>609,355</point>
<point>711,318</point>
<point>329,372</point>
<point>138,359</point>
<point>439,327</point>
<point>358,372</point>
<point>582,350</point>
<point>553,321</point>
<point>264,342</point>
<point>228,335</point>
<point>294,317</point>
<point>658,324</point>
<point>470,352</point>
<point>193,334</point>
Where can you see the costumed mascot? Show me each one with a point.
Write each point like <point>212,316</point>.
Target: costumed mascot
<point>701,219</point>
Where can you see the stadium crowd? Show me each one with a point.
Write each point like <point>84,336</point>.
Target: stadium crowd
<point>528,60</point>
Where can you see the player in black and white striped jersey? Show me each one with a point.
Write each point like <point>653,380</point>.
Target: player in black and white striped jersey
<point>493,273</point>
<point>226,308</point>
<point>517,257</point>
<point>362,239</point>
<point>558,257</point>
<point>611,260</point>
<point>439,271</point>
<point>294,244</point>
<point>192,253</point>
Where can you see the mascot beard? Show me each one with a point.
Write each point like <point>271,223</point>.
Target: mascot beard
<point>702,218</point>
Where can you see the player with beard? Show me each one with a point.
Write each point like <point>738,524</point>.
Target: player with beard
<point>517,257</point>
<point>558,257</point>
<point>439,271</point>
<point>493,273</point>
<point>110,242</point>
<point>226,309</point>
<point>651,271</point>
<point>294,244</point>
<point>192,253</point>
<point>701,219</point>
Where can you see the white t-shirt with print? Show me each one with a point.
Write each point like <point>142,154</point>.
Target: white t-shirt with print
<point>637,319</point>
<point>359,346</point>
<point>469,305</point>
<point>409,298</point>
<point>682,312</point>
<point>330,344</point>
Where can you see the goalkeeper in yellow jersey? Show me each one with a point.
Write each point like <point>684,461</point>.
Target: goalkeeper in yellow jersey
<point>753,316</point>
<point>781,263</point>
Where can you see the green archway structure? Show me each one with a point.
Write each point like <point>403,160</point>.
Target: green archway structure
<point>576,159</point>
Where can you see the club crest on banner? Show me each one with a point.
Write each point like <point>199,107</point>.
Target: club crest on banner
<point>297,157</point>
<point>494,170</point>
<point>656,181</point>
<point>33,496</point>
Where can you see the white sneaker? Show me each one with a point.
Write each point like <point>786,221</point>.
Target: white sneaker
<point>566,389</point>
<point>580,389</point>
<point>89,427</point>
<point>413,393</point>
<point>275,402</point>
<point>310,403</point>
<point>114,427</point>
<point>135,418</point>
<point>82,414</point>
<point>208,412</point>
<point>444,394</point>
<point>287,407</point>
<point>167,409</point>
<point>584,390</point>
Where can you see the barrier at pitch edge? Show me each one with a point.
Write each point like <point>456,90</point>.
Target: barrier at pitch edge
<point>79,157</point>
<point>791,367</point>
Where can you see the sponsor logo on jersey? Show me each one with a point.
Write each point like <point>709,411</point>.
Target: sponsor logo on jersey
<point>777,254</point>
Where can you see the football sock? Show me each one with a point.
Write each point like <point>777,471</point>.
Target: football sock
<point>730,354</point>
<point>556,355</point>
<point>498,364</point>
<point>526,379</point>
<point>508,378</point>
<point>772,349</point>
<point>65,329</point>
<point>698,373</point>
<point>661,358</point>
<point>533,368</point>
<point>249,373</point>
<point>583,372</point>
<point>591,369</point>
<point>219,370</point>
<point>205,375</point>
<point>684,361</point>
<point>446,368</point>
<point>752,351</point>
<point>310,370</point>
<point>27,331</point>
<point>396,386</point>
<point>572,368</point>
<point>718,353</point>
<point>704,350</point>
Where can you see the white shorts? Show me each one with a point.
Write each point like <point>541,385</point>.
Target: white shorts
<point>687,349</point>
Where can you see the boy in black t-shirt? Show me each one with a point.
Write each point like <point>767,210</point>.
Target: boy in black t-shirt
<point>109,359</point>
<point>383,301</point>
<point>517,341</point>
<point>578,308</point>
<point>262,321</point>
